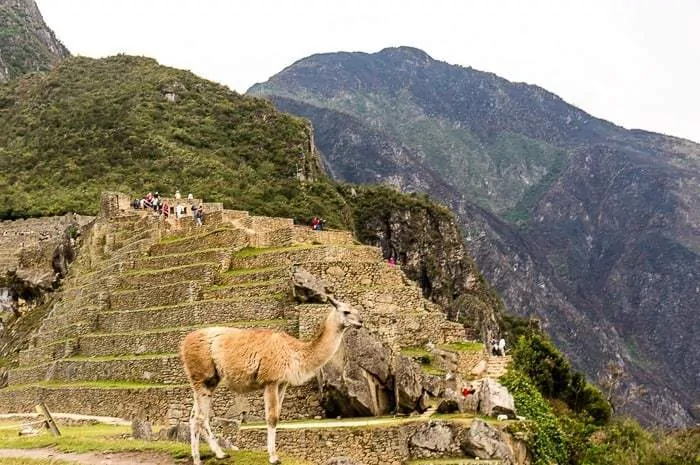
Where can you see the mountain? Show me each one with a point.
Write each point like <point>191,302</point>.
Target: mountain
<point>26,42</point>
<point>128,124</point>
<point>590,227</point>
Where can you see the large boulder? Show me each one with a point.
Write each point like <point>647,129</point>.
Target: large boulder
<point>308,287</point>
<point>409,385</point>
<point>357,380</point>
<point>495,399</point>
<point>484,441</point>
<point>431,438</point>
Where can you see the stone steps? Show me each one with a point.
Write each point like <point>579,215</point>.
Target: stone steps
<point>253,289</point>
<point>194,313</point>
<point>497,366</point>
<point>218,238</point>
<point>157,402</point>
<point>161,340</point>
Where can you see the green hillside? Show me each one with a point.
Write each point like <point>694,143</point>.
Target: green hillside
<point>129,124</point>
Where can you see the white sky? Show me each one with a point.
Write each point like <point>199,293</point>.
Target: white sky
<point>633,62</point>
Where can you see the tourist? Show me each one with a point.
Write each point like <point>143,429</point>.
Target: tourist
<point>199,216</point>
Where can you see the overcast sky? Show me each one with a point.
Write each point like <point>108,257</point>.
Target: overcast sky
<point>633,62</point>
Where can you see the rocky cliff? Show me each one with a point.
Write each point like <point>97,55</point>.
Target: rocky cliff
<point>26,42</point>
<point>588,226</point>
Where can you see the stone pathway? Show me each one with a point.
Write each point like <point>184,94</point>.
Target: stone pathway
<point>91,458</point>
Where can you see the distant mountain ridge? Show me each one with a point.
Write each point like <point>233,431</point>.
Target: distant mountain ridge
<point>592,228</point>
<point>26,42</point>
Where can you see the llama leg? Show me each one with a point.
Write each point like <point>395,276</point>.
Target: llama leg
<point>271,416</point>
<point>281,390</point>
<point>204,404</point>
<point>194,433</point>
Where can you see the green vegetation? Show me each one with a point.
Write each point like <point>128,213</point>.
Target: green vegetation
<point>22,49</point>
<point>94,125</point>
<point>116,439</point>
<point>467,346</point>
<point>570,420</point>
<point>52,461</point>
<point>424,358</point>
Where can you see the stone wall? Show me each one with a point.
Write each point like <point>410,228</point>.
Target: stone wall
<point>114,204</point>
<point>160,405</point>
<point>304,234</point>
<point>194,313</point>
<point>378,444</point>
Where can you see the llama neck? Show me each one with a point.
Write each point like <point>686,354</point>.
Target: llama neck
<point>325,345</point>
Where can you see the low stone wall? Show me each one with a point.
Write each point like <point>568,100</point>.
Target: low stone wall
<point>168,294</point>
<point>161,405</point>
<point>190,314</point>
<point>260,275</point>
<point>218,238</point>
<point>406,298</point>
<point>202,272</point>
<point>221,256</point>
<point>368,445</point>
<point>160,370</point>
<point>304,234</point>
<point>156,342</point>
<point>307,254</point>
<point>265,289</point>
<point>272,238</point>
<point>88,325</point>
<point>342,274</point>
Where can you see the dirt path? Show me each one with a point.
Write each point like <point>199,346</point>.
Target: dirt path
<point>92,458</point>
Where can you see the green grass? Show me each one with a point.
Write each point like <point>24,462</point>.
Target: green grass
<point>16,461</point>
<point>416,352</point>
<point>432,370</point>
<point>100,438</point>
<point>467,346</point>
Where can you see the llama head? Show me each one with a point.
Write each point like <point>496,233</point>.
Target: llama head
<point>347,315</point>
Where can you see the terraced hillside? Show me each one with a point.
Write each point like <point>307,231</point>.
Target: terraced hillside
<point>109,344</point>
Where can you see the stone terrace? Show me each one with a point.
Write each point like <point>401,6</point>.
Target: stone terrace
<point>109,344</point>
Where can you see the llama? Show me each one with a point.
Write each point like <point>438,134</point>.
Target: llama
<point>245,360</point>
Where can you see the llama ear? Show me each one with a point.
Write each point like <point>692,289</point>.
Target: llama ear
<point>333,302</point>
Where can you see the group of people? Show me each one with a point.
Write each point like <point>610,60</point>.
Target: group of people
<point>161,206</point>
<point>317,224</point>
